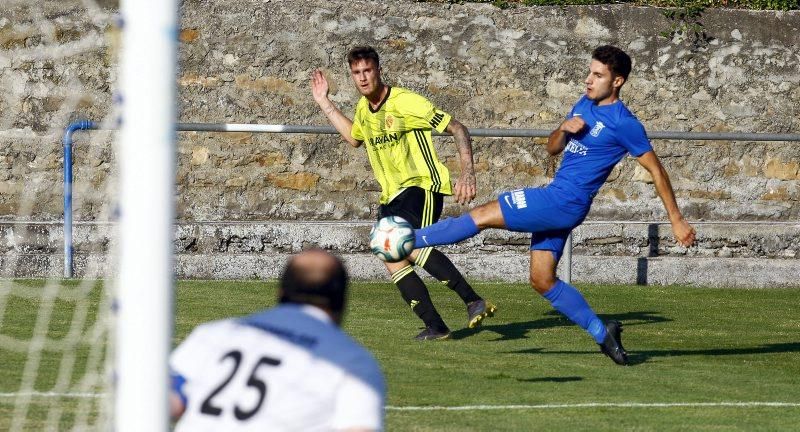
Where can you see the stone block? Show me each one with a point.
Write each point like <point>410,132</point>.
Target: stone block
<point>641,175</point>
<point>775,168</point>
<point>302,181</point>
<point>199,155</point>
<point>776,194</point>
<point>188,35</point>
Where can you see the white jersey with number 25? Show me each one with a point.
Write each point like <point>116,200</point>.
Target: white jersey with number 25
<point>285,369</point>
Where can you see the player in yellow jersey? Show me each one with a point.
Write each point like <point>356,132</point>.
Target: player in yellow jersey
<point>395,126</point>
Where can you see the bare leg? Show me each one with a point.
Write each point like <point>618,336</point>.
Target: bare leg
<point>488,215</point>
<point>543,270</point>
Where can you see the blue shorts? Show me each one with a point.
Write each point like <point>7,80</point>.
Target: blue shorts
<point>548,213</point>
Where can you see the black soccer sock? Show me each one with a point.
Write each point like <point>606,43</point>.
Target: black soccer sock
<point>414,292</point>
<point>440,267</point>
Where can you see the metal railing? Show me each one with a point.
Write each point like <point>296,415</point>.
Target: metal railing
<point>301,129</point>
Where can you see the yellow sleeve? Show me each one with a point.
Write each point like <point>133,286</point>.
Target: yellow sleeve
<point>420,113</point>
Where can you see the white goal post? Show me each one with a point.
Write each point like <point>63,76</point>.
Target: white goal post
<point>147,176</point>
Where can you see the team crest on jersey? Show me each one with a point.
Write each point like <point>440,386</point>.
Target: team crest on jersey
<point>596,129</point>
<point>576,147</point>
<point>389,121</point>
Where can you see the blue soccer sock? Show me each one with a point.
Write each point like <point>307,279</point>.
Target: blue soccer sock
<point>569,301</point>
<point>446,231</point>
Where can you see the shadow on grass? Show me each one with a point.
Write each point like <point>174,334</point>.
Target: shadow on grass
<point>639,357</point>
<point>519,330</point>
<point>551,379</point>
<point>510,331</point>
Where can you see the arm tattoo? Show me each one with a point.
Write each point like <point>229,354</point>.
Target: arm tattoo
<point>464,145</point>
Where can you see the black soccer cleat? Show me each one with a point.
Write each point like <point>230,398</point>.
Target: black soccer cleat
<point>612,344</point>
<point>433,334</point>
<point>478,310</point>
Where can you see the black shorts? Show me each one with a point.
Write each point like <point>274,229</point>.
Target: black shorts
<point>418,206</point>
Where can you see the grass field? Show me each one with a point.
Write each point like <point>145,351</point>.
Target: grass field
<point>703,359</point>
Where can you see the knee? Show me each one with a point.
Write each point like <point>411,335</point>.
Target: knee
<point>542,282</point>
<point>487,216</point>
<point>478,215</point>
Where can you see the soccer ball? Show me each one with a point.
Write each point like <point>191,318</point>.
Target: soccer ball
<point>391,239</point>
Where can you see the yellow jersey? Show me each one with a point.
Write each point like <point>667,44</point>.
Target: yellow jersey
<point>399,142</point>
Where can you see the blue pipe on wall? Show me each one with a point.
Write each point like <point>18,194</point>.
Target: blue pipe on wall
<point>68,247</point>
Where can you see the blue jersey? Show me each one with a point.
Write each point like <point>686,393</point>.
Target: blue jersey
<point>589,156</point>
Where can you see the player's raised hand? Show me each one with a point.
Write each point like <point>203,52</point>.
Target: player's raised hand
<point>572,125</point>
<point>319,85</point>
<point>684,233</point>
<point>465,188</point>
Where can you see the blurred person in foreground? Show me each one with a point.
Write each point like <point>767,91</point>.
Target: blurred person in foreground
<point>287,368</point>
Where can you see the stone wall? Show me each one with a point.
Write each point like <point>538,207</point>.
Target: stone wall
<point>490,68</point>
<point>249,62</point>
<point>244,61</point>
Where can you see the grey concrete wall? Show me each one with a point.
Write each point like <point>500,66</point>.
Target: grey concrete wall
<point>605,252</point>
<point>244,61</point>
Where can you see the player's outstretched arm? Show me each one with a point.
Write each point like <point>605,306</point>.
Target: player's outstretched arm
<point>558,138</point>
<point>684,233</point>
<point>465,185</point>
<point>319,90</point>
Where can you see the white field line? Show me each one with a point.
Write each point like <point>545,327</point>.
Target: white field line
<point>595,405</point>
<point>493,407</point>
<point>52,394</point>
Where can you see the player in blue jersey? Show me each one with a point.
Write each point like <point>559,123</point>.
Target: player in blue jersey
<point>597,133</point>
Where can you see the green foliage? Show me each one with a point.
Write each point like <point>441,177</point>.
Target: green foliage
<point>734,4</point>
<point>679,4</point>
<point>686,24</point>
<point>563,2</point>
<point>684,14</point>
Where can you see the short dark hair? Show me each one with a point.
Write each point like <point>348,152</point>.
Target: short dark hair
<point>617,60</point>
<point>320,280</point>
<point>363,53</point>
